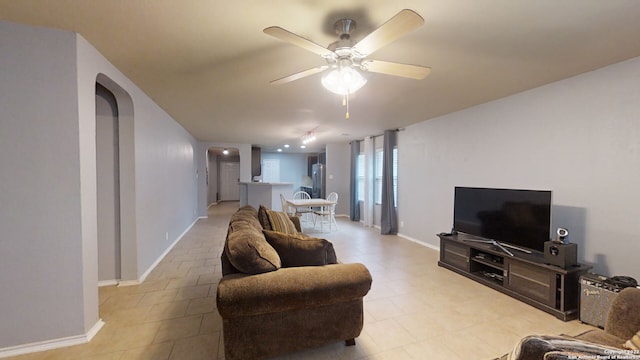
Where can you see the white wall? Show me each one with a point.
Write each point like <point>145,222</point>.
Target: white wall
<point>48,248</point>
<point>579,137</point>
<point>293,168</point>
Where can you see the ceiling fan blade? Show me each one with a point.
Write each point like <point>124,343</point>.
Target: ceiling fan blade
<point>288,36</point>
<point>402,23</point>
<point>392,68</point>
<point>300,75</point>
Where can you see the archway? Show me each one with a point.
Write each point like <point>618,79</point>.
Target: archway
<point>125,177</point>
<point>223,174</point>
<point>107,187</point>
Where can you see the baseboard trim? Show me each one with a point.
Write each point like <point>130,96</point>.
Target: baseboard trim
<point>142,278</point>
<point>52,344</point>
<point>125,283</point>
<point>94,330</point>
<point>430,246</point>
<point>433,247</point>
<point>102,283</point>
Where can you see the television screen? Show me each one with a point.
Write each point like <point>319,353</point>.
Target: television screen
<point>518,217</point>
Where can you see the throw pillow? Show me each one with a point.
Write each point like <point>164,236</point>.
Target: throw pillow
<point>248,251</point>
<point>631,344</point>
<point>280,222</point>
<point>300,250</point>
<point>296,222</point>
<point>264,218</point>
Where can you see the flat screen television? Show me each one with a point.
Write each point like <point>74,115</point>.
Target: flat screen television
<point>518,217</point>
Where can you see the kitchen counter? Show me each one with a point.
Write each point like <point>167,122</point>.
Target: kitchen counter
<point>263,193</point>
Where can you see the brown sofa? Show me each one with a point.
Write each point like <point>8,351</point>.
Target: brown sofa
<point>285,292</point>
<point>612,342</point>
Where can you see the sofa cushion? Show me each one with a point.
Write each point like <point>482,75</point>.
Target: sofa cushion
<point>248,250</point>
<point>249,209</point>
<point>264,218</point>
<point>248,214</point>
<point>280,222</point>
<point>301,250</point>
<point>631,344</point>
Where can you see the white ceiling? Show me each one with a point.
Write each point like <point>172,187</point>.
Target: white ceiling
<point>208,63</point>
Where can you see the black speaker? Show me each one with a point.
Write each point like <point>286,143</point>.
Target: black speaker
<point>559,254</point>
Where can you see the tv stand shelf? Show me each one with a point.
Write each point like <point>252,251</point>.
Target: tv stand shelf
<point>523,276</point>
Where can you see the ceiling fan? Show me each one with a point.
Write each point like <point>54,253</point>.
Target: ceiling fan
<point>345,58</point>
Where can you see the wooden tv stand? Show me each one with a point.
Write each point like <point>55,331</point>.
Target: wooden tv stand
<point>523,276</point>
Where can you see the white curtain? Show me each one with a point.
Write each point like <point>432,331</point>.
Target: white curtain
<point>369,180</point>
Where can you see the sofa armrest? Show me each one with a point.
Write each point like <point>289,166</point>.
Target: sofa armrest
<point>291,288</point>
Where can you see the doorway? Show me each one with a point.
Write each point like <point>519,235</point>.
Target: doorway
<point>229,179</point>
<point>223,174</point>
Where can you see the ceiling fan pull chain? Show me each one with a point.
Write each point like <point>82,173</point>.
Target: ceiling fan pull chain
<point>347,98</point>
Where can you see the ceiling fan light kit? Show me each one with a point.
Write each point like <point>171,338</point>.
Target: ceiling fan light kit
<point>343,81</point>
<point>346,60</point>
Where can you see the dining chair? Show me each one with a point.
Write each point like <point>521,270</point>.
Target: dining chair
<point>285,206</point>
<point>303,212</point>
<point>327,213</point>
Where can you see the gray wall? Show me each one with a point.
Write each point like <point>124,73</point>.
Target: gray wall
<point>107,187</point>
<point>48,216</point>
<point>40,211</point>
<point>579,137</point>
<point>212,171</point>
<point>338,173</point>
<point>164,171</point>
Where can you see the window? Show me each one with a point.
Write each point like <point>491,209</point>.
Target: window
<point>378,177</point>
<point>271,170</point>
<point>377,180</point>
<point>395,176</point>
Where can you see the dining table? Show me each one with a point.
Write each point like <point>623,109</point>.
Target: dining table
<point>307,203</point>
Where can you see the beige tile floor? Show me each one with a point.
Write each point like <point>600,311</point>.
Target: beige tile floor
<point>415,309</point>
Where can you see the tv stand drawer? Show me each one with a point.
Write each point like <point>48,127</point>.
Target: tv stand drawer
<point>535,282</point>
<point>455,254</point>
